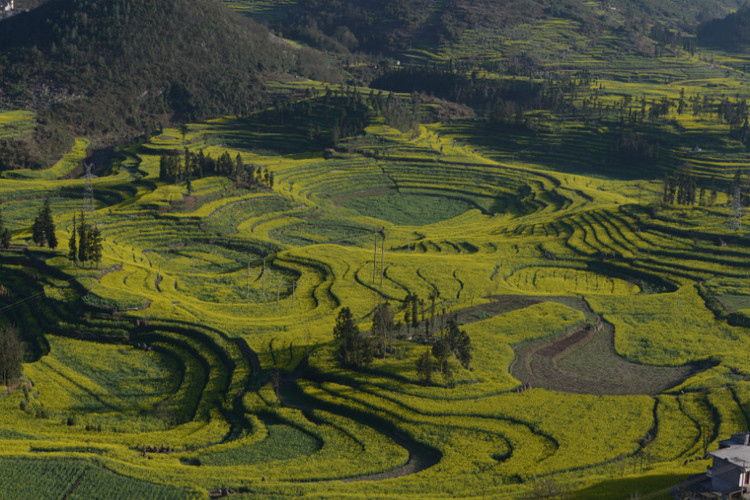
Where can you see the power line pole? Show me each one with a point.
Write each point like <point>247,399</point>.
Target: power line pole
<point>264,278</point>
<point>382,261</point>
<point>294,293</point>
<point>278,293</point>
<point>375,258</point>
<point>89,208</point>
<point>248,281</point>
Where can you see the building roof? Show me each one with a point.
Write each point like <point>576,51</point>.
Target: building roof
<point>738,455</point>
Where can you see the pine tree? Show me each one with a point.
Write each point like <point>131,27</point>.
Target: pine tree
<point>43,228</point>
<point>4,232</point>
<point>355,346</point>
<point>72,247</point>
<point>83,246</point>
<point>37,232</point>
<point>95,244</point>
<point>48,225</point>
<point>238,165</point>
<point>425,367</point>
<point>162,168</point>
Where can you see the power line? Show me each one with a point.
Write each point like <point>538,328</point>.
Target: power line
<point>30,297</point>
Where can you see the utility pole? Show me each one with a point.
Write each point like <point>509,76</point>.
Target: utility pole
<point>88,197</point>
<point>375,258</point>
<point>382,261</point>
<point>294,293</point>
<point>248,280</point>
<point>278,293</point>
<point>264,278</point>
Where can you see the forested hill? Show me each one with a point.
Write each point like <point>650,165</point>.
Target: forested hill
<point>731,32</point>
<point>390,26</point>
<point>120,67</point>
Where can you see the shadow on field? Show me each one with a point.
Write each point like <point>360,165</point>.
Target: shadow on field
<point>655,486</point>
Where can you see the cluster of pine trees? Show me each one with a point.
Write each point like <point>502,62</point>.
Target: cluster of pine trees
<point>85,244</point>
<point>736,115</point>
<point>358,349</point>
<point>43,228</point>
<point>178,168</point>
<point>452,342</point>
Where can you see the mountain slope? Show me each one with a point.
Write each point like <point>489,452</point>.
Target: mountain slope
<point>118,67</point>
<point>731,32</point>
<point>392,26</point>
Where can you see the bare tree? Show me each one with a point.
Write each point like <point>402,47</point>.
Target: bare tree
<point>382,325</point>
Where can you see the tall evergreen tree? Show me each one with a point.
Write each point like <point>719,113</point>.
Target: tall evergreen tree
<point>95,244</point>
<point>43,228</point>
<point>4,232</point>
<point>48,224</point>
<point>355,346</point>
<point>83,233</point>
<point>72,246</point>
<point>425,367</point>
<point>37,232</point>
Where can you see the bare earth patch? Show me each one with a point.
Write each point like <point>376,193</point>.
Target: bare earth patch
<point>583,360</point>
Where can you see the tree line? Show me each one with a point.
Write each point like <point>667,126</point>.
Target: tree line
<point>85,244</point>
<point>682,188</point>
<point>174,167</point>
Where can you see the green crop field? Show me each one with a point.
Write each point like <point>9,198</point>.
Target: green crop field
<point>609,326</point>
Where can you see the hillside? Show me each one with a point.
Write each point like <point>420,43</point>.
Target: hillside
<point>731,32</point>
<point>486,249</point>
<point>116,69</point>
<point>394,26</point>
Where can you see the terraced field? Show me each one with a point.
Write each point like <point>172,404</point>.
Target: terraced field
<point>609,331</point>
